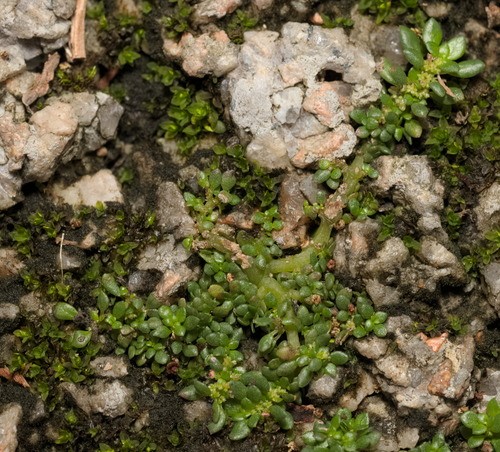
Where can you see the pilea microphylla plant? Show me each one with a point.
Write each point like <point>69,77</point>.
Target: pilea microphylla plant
<point>406,104</point>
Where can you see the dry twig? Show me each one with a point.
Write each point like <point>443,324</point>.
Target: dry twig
<point>77,34</point>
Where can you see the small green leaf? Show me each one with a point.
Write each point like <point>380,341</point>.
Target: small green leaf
<point>420,110</point>
<point>80,339</point>
<point>432,34</point>
<point>470,68</point>
<point>456,47</point>
<point>412,47</point>
<point>282,417</point>
<point>239,431</point>
<point>393,74</point>
<point>64,311</point>
<point>413,128</point>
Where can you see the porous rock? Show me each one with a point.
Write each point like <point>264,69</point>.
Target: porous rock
<point>172,211</point>
<point>88,190</point>
<point>413,185</point>
<point>281,86</point>
<point>109,366</point>
<point>66,128</point>
<point>10,417</point>
<point>209,53</point>
<point>29,27</point>
<point>110,398</point>
<point>488,209</point>
<point>491,277</point>
<point>210,10</point>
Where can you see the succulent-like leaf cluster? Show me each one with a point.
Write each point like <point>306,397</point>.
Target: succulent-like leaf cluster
<point>479,428</point>
<point>405,105</point>
<point>343,433</point>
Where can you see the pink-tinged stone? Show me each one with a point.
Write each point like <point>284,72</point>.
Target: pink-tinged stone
<point>323,102</point>
<point>209,53</point>
<point>316,19</point>
<point>211,10</point>
<point>441,380</point>
<point>329,145</point>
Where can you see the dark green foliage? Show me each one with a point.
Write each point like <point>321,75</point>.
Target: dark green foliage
<point>385,10</point>
<point>343,433</point>
<point>406,104</point>
<point>483,427</point>
<point>190,113</point>
<point>437,444</point>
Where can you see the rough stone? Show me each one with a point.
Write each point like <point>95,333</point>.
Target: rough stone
<point>291,202</point>
<point>12,61</point>
<point>378,408</point>
<point>8,311</point>
<point>109,366</point>
<point>172,211</point>
<point>67,127</point>
<point>389,259</point>
<point>10,417</point>
<point>438,10</point>
<point>491,275</point>
<point>365,386</point>
<point>110,398</point>
<point>209,53</point>
<point>27,19</point>
<point>353,246</point>
<point>197,411</point>
<point>87,191</point>
<point>162,256</point>
<point>277,92</point>
<point>372,347</point>
<point>210,10</point>
<point>488,209</point>
<point>10,264</point>
<point>262,4</point>
<point>325,387</point>
<point>489,385</point>
<point>414,185</point>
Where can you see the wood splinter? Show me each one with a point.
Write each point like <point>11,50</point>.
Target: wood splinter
<point>77,34</point>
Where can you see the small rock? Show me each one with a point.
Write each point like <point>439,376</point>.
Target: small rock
<point>372,347</point>
<point>34,308</point>
<point>277,93</point>
<point>63,8</point>
<point>8,346</point>
<point>439,257</point>
<point>325,387</point>
<point>291,202</point>
<point>209,53</point>
<point>437,10</point>
<point>172,281</point>
<point>407,438</point>
<point>491,275</point>
<point>8,312</point>
<point>172,212</point>
<point>10,264</point>
<point>101,186</point>
<point>210,10</point>
<point>353,246</point>
<point>413,185</point>
<point>12,60</point>
<point>365,386</point>
<point>262,4</point>
<point>10,417</point>
<point>389,259</point>
<point>109,366</point>
<point>329,145</point>
<point>488,208</point>
<point>395,367</point>
<point>197,411</point>
<point>162,256</point>
<point>110,398</point>
<point>489,385</point>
